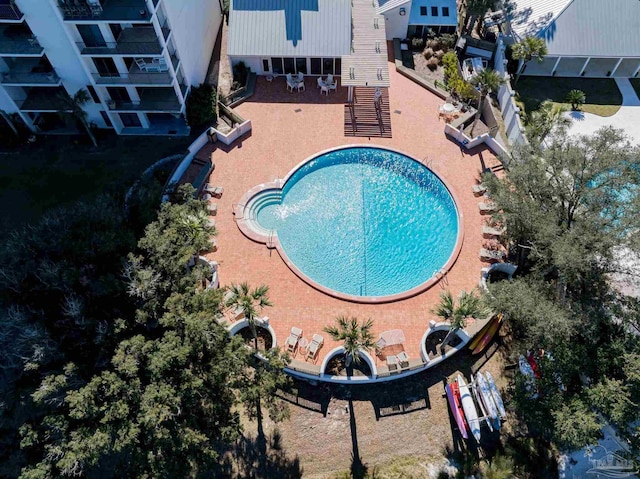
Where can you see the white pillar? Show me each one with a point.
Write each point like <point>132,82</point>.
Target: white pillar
<point>350,94</point>
<point>635,73</point>
<point>613,72</point>
<point>143,119</point>
<point>555,66</point>
<point>584,67</point>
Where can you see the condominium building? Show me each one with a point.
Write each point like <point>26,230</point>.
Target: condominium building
<point>136,58</point>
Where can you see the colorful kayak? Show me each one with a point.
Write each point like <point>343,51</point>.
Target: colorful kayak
<point>478,337</point>
<point>486,336</point>
<point>469,408</point>
<point>453,396</point>
<point>534,365</point>
<point>496,394</point>
<point>529,375</point>
<point>484,415</point>
<point>487,398</point>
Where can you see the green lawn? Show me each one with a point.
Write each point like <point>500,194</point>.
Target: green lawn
<point>603,96</point>
<point>58,170</point>
<point>635,83</point>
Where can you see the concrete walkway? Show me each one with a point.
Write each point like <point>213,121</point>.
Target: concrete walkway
<point>627,118</point>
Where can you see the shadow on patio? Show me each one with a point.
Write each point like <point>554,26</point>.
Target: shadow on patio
<point>276,92</point>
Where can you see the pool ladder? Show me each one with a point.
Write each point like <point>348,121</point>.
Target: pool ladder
<point>270,240</point>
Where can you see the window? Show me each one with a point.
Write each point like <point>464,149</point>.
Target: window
<point>327,66</point>
<point>289,65</point>
<point>94,95</point>
<point>301,65</point>
<point>434,11</point>
<point>423,11</point>
<point>316,66</point>
<point>265,65</point>
<point>445,11</point>
<point>338,67</point>
<point>107,120</point>
<point>276,64</point>
<point>130,120</point>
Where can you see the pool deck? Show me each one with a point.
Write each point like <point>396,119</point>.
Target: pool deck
<point>289,127</point>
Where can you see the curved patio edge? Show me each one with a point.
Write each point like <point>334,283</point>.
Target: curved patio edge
<point>236,326</point>
<point>272,240</point>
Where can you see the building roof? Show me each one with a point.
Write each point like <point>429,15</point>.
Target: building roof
<point>289,28</point>
<point>386,5</point>
<point>583,27</point>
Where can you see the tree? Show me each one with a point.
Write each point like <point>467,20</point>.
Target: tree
<point>251,302</point>
<point>576,425</point>
<point>613,398</point>
<point>72,105</point>
<point>577,98</point>
<point>469,306</point>
<point>202,106</point>
<point>563,205</point>
<point>486,81</point>
<point>477,8</point>
<point>355,336</point>
<point>526,50</point>
<point>548,118</point>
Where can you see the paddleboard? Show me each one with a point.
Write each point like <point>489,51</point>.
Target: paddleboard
<point>487,399</point>
<point>496,394</point>
<point>456,408</point>
<point>485,339</point>
<point>482,410</point>
<point>469,408</point>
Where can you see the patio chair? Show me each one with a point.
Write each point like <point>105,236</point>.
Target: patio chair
<point>487,207</point>
<point>214,190</point>
<point>479,189</point>
<point>290,83</point>
<point>333,85</point>
<point>141,64</point>
<point>300,86</point>
<point>392,362</point>
<point>403,359</point>
<point>491,255</point>
<point>490,231</point>
<point>292,341</point>
<point>314,346</point>
<point>380,344</point>
<point>329,79</point>
<point>324,89</point>
<point>212,208</point>
<point>300,77</point>
<point>321,83</point>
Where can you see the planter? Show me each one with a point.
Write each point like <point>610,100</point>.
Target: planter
<point>266,334</point>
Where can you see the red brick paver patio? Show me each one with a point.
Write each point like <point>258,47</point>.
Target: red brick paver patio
<point>288,128</point>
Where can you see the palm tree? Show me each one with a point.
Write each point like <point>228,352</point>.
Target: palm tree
<point>469,306</point>
<point>73,107</point>
<point>548,117</point>
<point>251,302</point>
<point>576,98</point>
<point>526,50</point>
<point>355,336</point>
<point>195,227</point>
<point>485,81</point>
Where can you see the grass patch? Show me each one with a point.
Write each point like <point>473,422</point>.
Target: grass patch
<point>603,96</point>
<point>59,170</point>
<point>635,83</point>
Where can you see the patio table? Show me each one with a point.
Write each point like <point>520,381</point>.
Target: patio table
<point>449,107</point>
<point>393,336</point>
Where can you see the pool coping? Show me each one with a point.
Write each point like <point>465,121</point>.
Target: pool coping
<point>272,241</point>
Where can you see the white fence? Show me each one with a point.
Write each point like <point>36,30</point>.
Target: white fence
<point>510,112</point>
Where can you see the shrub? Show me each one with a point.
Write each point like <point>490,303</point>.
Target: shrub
<point>417,43</point>
<point>439,54</point>
<point>434,43</point>
<point>432,64</point>
<point>427,53</point>
<point>201,105</point>
<point>455,83</point>
<point>447,40</point>
<point>240,73</point>
<point>576,98</point>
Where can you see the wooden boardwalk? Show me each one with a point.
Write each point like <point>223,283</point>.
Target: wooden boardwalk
<point>362,118</point>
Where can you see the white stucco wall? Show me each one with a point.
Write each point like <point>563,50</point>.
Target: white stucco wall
<point>42,18</point>
<point>195,25</point>
<point>396,24</point>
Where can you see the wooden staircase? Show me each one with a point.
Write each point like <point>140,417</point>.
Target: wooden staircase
<point>366,117</point>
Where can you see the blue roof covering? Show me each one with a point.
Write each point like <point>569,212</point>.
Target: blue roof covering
<point>416,19</point>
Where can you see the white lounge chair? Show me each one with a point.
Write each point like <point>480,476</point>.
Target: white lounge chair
<point>292,341</point>
<point>213,190</point>
<point>212,208</point>
<point>479,189</point>
<point>488,230</point>
<point>491,255</point>
<point>312,348</point>
<point>211,223</point>
<point>403,359</point>
<point>487,207</point>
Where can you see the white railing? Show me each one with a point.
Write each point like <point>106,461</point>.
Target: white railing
<point>508,108</point>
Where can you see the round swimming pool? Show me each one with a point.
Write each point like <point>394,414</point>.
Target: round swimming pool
<point>361,222</point>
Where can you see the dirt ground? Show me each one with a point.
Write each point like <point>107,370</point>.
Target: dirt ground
<point>420,66</point>
<point>384,423</point>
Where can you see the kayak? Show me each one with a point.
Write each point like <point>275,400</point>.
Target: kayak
<point>453,396</point>
<point>492,328</point>
<point>469,408</point>
<point>496,394</point>
<point>478,337</point>
<point>487,399</point>
<point>483,411</point>
<point>534,365</point>
<point>529,375</point>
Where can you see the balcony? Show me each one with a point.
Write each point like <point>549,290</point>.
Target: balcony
<point>105,10</point>
<point>29,78</point>
<point>134,77</point>
<point>9,11</point>
<point>44,99</point>
<point>151,99</point>
<point>131,41</point>
<point>18,40</point>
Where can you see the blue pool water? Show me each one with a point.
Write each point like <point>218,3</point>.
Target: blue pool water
<point>364,221</point>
